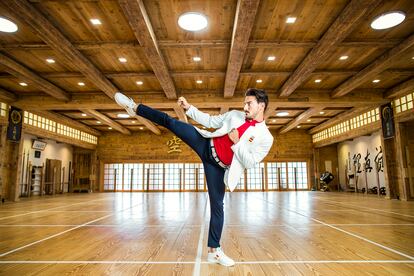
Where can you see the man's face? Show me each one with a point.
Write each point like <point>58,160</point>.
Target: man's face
<point>252,108</point>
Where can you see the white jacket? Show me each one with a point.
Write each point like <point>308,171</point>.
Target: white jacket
<point>252,148</point>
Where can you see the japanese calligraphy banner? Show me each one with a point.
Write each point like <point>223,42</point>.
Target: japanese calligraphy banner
<point>14,129</point>
<point>387,121</point>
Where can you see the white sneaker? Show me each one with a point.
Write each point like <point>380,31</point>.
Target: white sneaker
<point>127,103</point>
<point>219,257</point>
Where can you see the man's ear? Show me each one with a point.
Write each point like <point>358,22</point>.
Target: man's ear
<point>263,105</point>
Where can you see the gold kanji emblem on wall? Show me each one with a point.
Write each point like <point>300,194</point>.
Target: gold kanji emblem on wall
<point>174,144</point>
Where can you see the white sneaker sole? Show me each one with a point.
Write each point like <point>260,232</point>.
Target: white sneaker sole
<point>218,262</point>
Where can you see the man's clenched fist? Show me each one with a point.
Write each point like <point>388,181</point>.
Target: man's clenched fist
<point>183,103</point>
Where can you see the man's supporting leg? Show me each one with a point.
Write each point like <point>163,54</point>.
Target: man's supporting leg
<point>216,190</point>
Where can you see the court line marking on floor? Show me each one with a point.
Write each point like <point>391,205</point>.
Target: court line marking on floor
<point>205,262</point>
<point>46,210</point>
<point>197,266</point>
<point>362,207</point>
<point>344,231</point>
<point>198,225</point>
<point>66,211</point>
<point>65,231</point>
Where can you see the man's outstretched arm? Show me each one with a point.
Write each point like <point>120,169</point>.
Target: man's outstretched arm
<point>205,119</point>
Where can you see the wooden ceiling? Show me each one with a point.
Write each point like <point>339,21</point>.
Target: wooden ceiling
<point>241,35</point>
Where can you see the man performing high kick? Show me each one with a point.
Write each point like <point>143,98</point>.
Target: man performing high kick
<point>241,141</point>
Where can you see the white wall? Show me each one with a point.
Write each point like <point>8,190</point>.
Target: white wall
<point>53,150</point>
<point>360,145</point>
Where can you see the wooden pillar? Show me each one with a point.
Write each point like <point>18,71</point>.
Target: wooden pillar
<point>11,166</point>
<point>401,144</point>
<point>391,173</point>
<point>316,162</point>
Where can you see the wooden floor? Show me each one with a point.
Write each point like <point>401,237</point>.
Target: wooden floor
<point>274,233</point>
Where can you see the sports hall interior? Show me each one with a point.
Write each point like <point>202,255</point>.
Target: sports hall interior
<point>87,189</point>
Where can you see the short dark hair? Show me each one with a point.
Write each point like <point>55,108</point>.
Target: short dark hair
<point>260,95</point>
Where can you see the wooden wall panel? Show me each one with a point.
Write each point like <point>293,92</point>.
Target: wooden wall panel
<point>145,147</point>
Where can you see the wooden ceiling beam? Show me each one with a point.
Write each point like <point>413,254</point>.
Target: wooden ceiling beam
<point>211,44</point>
<point>338,31</point>
<point>180,114</point>
<point>150,125</point>
<point>105,119</point>
<point>379,65</point>
<point>7,96</point>
<point>136,14</point>
<point>400,90</point>
<point>203,100</point>
<point>224,109</point>
<point>211,73</point>
<point>300,119</point>
<point>20,71</point>
<point>52,36</point>
<point>243,24</point>
<point>67,121</point>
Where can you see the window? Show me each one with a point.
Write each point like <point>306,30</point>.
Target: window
<point>3,109</point>
<point>297,175</point>
<point>276,175</point>
<point>50,125</point>
<point>403,103</point>
<point>173,176</point>
<point>255,178</point>
<point>154,176</point>
<point>188,176</point>
<point>356,122</point>
<point>133,177</point>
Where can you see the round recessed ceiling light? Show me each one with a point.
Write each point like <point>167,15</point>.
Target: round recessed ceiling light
<point>140,82</point>
<point>122,59</point>
<point>282,114</point>
<point>98,122</point>
<point>298,126</point>
<point>141,128</point>
<point>7,26</point>
<point>343,57</point>
<point>318,80</point>
<point>109,128</point>
<point>192,21</point>
<point>271,58</point>
<point>199,81</point>
<point>259,81</point>
<point>81,83</point>
<point>23,83</point>
<point>197,59</point>
<point>376,81</point>
<point>50,60</point>
<point>388,20</point>
<point>322,112</point>
<point>122,115</point>
<point>83,115</point>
